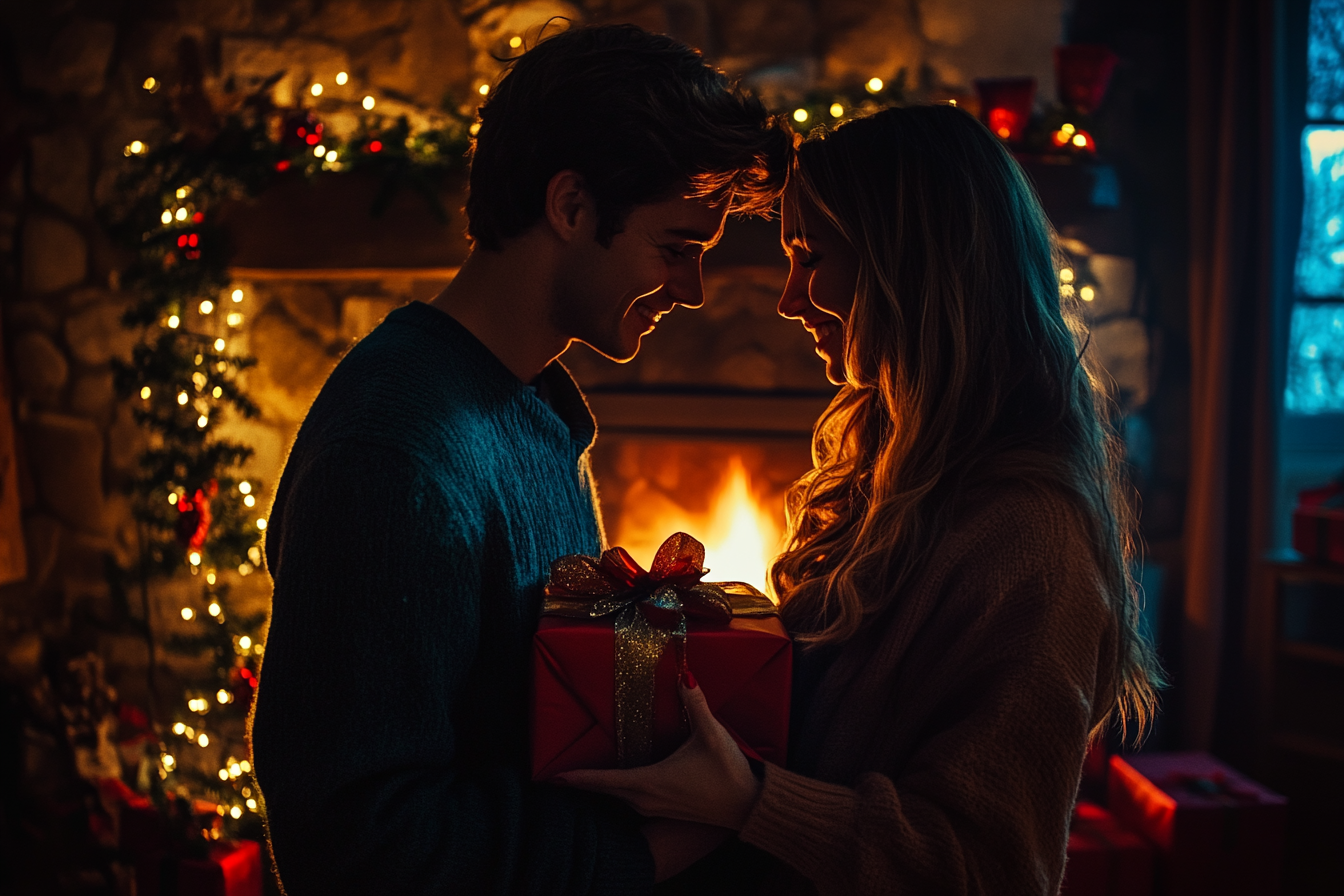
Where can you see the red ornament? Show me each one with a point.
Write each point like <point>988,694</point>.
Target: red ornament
<point>375,146</point>
<point>1006,104</point>
<point>1083,72</point>
<point>198,217</point>
<point>301,128</point>
<point>193,521</point>
<point>282,165</point>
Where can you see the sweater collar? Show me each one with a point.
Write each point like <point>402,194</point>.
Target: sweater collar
<point>567,412</point>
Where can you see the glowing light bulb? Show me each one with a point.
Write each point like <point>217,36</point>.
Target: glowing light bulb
<point>214,609</point>
<point>1066,290</point>
<point>182,398</point>
<point>800,115</point>
<point>245,642</point>
<point>199,359</point>
<point>252,804</point>
<point>1079,140</point>
<point>331,155</point>
<point>1004,133</point>
<point>483,89</point>
<point>235,769</point>
<point>368,103</point>
<point>169,761</point>
<point>219,344</point>
<point>236,812</point>
<point>237,295</point>
<point>316,89</point>
<point>515,42</point>
<point>181,214</point>
<point>475,128</point>
<point>173,321</point>
<point>202,421</point>
<point>1087,293</point>
<point>244,569</point>
<point>150,84</point>
<point>223,774</point>
<point>261,523</point>
<point>210,578</point>
<point>245,487</point>
<point>207,306</point>
<point>145,392</point>
<point>245,765</point>
<point>837,110</point>
<point>182,192</point>
<point>1066,275</point>
<point>342,77</point>
<point>172,497</point>
<point>179,728</point>
<point>203,739</point>
<point>319,150</point>
<point>222,695</point>
<point>1068,128</point>
<point>874,85</point>
<point>188,614</point>
<point>195,558</point>
<point>137,147</point>
<point>166,217</point>
<point>234,319</point>
<point>217,392</point>
<point>249,501</point>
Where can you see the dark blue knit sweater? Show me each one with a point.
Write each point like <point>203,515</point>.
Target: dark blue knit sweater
<point>414,525</point>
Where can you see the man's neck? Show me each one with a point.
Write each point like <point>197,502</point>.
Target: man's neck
<point>504,300</point>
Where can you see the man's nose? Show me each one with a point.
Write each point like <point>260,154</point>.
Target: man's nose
<point>686,286</point>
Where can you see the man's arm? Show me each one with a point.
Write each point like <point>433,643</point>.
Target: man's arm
<point>375,627</point>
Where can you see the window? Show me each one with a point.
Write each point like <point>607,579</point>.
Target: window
<point>1314,381</point>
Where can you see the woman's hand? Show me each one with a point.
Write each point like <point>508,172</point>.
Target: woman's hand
<point>707,780</point>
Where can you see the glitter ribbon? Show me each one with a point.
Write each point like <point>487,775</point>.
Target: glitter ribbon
<point>650,609</point>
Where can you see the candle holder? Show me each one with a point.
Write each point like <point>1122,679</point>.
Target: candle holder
<point>1082,73</point>
<point>1006,104</point>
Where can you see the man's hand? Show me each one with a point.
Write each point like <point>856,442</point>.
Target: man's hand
<point>707,780</point>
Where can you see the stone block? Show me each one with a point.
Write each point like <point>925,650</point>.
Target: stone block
<point>1121,347</point>
<point>359,315</point>
<point>345,20</point>
<point>1114,286</point>
<point>490,33</point>
<point>292,366</point>
<point>40,366</point>
<point>427,61</point>
<point>95,335</point>
<point>303,60</point>
<point>42,536</point>
<point>75,61</point>
<point>763,32</point>
<point>31,316</point>
<point>66,454</point>
<point>125,441</point>
<point>311,306</point>
<point>55,254</point>
<point>92,396</point>
<point>60,172</point>
<point>969,39</point>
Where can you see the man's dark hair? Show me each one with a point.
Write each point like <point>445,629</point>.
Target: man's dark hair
<point>639,116</point>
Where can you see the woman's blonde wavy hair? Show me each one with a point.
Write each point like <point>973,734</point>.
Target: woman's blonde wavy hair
<point>964,370</point>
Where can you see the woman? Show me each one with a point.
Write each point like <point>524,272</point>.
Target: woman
<point>956,576</point>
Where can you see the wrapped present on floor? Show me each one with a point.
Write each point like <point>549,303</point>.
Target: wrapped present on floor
<point>613,641</point>
<point>170,853</point>
<point>1105,857</point>
<point>1318,523</point>
<point>1217,832</point>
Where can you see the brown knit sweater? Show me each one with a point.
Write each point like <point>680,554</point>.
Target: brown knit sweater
<point>948,739</point>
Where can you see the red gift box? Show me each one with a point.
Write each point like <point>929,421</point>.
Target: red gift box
<point>1105,857</point>
<point>1217,832</point>
<point>743,664</point>
<point>1318,524</point>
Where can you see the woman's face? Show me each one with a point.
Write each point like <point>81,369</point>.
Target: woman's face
<point>823,274</point>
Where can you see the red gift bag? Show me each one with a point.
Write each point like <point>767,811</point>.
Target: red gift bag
<point>1318,524</point>
<point>1217,832</point>
<point>1105,857</point>
<point>606,662</point>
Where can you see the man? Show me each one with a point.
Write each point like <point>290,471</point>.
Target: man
<point>444,466</point>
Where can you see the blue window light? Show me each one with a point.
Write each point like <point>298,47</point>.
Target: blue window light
<point>1320,250</point>
<point>1315,359</point>
<point>1325,60</point>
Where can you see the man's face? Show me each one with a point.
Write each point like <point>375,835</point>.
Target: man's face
<point>611,297</point>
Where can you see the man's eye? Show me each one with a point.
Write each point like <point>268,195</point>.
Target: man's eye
<point>808,261</point>
<point>687,251</point>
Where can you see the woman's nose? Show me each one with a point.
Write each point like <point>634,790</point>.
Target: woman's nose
<point>794,299</point>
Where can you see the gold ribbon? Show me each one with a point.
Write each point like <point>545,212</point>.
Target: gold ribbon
<point>650,609</point>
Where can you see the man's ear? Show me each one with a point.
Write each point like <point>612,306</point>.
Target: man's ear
<point>569,206</point>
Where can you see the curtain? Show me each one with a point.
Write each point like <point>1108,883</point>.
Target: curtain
<point>1227,512</point>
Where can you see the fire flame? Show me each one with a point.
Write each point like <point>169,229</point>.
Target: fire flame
<point>740,537</point>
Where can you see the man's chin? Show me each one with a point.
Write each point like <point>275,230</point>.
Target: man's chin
<point>620,351</point>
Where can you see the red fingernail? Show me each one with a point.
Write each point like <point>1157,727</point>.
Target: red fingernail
<point>688,680</point>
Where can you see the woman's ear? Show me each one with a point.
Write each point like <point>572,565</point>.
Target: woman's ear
<point>570,210</point>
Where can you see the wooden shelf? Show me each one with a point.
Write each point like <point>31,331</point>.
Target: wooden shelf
<point>1315,653</point>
